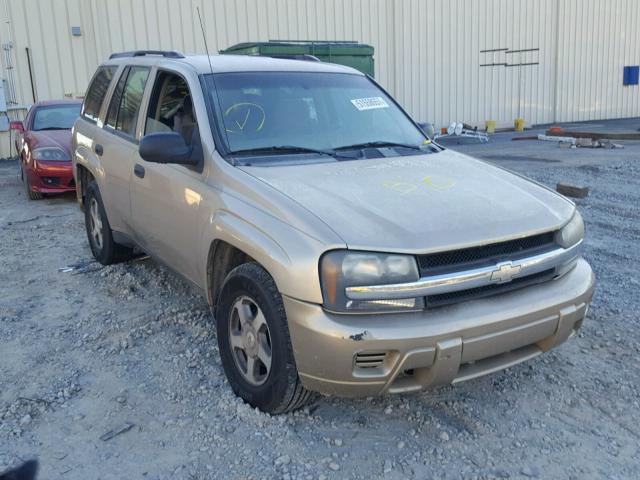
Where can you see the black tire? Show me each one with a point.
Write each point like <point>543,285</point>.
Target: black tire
<point>30,193</point>
<point>105,251</point>
<point>282,390</point>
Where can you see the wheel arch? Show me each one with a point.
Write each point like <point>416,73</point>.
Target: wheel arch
<point>222,258</point>
<point>83,178</point>
<point>291,259</point>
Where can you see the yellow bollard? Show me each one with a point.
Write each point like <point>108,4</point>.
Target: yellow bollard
<point>519,125</point>
<point>490,126</point>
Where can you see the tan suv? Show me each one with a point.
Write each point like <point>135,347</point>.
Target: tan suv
<point>341,250</point>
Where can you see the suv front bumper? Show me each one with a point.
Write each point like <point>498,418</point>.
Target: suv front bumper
<point>363,355</point>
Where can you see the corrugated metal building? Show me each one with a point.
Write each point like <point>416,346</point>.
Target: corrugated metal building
<point>453,60</point>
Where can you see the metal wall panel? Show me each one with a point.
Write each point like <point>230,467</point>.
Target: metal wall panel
<point>596,39</point>
<point>428,52</point>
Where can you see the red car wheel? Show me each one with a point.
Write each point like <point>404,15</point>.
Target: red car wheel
<point>30,193</point>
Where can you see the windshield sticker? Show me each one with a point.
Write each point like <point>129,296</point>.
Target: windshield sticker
<point>369,103</point>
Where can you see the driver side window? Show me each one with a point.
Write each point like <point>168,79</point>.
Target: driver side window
<point>171,107</point>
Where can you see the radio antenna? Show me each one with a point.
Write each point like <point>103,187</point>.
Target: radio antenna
<point>204,37</point>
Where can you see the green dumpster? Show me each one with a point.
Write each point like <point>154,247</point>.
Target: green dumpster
<point>351,54</point>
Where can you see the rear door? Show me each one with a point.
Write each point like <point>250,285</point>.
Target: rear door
<point>120,147</point>
<point>88,133</point>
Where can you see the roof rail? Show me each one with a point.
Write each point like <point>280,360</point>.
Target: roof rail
<point>142,53</point>
<point>295,56</point>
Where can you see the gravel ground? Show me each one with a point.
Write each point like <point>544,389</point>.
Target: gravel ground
<point>132,348</point>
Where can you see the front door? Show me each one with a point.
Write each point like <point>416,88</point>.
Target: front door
<point>166,199</point>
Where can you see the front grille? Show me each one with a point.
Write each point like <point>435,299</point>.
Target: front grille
<point>495,289</point>
<point>486,255</point>
<point>466,258</point>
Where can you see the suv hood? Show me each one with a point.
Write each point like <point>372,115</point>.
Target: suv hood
<point>419,203</point>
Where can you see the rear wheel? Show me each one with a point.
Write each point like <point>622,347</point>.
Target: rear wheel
<point>99,233</point>
<point>254,343</point>
<point>30,193</point>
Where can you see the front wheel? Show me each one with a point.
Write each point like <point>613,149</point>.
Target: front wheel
<point>27,186</point>
<point>99,233</point>
<point>254,343</point>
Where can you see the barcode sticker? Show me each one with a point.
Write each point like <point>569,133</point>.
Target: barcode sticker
<point>369,103</point>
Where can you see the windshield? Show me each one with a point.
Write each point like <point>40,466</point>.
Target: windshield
<point>58,117</point>
<point>298,112</point>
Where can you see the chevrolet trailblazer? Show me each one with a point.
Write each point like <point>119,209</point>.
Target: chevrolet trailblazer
<point>341,250</point>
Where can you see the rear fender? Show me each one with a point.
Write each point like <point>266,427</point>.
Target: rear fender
<point>84,156</point>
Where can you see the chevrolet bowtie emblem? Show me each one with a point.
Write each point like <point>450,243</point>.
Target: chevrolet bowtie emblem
<point>505,272</point>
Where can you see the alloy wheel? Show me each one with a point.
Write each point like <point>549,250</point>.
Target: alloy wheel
<point>250,341</point>
<point>95,223</point>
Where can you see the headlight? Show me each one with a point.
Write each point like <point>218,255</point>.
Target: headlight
<point>572,232</point>
<point>341,269</point>
<point>49,153</point>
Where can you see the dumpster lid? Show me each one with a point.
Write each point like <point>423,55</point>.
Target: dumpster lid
<point>337,47</point>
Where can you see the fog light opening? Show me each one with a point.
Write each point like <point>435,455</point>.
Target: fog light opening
<point>51,180</point>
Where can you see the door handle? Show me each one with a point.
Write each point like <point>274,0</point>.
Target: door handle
<point>98,149</point>
<point>138,170</point>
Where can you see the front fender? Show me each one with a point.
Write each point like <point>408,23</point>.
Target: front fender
<point>289,255</point>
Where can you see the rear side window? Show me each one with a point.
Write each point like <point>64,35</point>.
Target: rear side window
<point>126,99</point>
<point>112,113</point>
<point>96,92</point>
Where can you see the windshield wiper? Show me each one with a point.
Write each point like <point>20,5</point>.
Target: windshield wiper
<point>281,149</point>
<point>379,145</point>
<point>50,128</point>
<point>286,149</point>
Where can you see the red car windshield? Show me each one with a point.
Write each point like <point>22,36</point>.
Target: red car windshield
<point>56,117</point>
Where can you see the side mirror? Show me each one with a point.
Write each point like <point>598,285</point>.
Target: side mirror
<point>16,125</point>
<point>166,147</point>
<point>427,128</point>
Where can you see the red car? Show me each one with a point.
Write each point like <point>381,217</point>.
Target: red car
<point>43,144</point>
